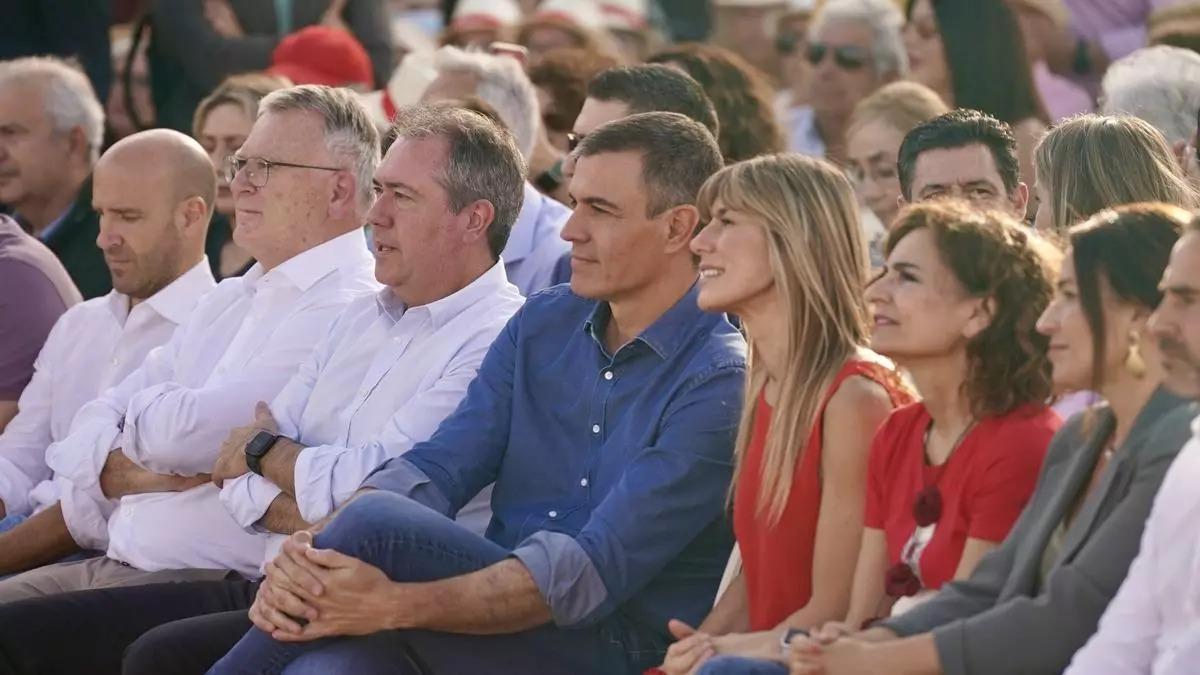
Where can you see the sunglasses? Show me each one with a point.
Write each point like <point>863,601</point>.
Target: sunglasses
<point>846,57</point>
<point>788,43</point>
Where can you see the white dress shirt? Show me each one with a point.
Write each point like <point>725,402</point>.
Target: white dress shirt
<point>242,343</point>
<point>381,380</point>
<point>91,347</point>
<point>1153,623</point>
<point>535,243</point>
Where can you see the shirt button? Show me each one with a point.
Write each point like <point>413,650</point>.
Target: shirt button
<point>553,514</point>
<point>608,375</point>
<point>583,482</point>
<point>114,361</point>
<point>595,428</point>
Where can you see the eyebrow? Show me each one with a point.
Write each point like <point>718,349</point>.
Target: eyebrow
<point>392,185</point>
<point>905,266</point>
<point>1176,289</point>
<point>877,157</point>
<point>599,201</point>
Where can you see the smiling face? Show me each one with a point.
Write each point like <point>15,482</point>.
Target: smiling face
<point>735,261</point>
<point>921,309</point>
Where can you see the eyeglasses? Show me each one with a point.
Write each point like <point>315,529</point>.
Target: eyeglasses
<point>258,170</point>
<point>847,57</point>
<point>573,140</point>
<point>788,43</point>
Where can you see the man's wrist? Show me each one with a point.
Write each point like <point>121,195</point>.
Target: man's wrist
<point>404,606</point>
<point>279,465</point>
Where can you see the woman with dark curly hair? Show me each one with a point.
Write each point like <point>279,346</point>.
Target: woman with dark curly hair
<point>957,306</point>
<point>740,93</point>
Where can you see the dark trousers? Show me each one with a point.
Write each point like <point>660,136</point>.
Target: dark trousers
<point>89,631</point>
<point>412,543</point>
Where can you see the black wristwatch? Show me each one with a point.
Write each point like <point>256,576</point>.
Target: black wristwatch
<point>257,449</point>
<point>1081,62</point>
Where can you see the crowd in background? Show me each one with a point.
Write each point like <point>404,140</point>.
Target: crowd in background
<point>690,337</point>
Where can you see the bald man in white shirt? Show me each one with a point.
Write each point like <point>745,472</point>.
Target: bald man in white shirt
<point>301,188</point>
<point>1151,626</point>
<point>154,192</point>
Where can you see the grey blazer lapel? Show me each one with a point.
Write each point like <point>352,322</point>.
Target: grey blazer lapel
<point>1115,474</point>
<point>1077,473</point>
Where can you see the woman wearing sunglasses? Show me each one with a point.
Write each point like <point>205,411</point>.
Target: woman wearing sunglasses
<point>783,250</point>
<point>1035,600</point>
<point>956,306</point>
<point>972,54</point>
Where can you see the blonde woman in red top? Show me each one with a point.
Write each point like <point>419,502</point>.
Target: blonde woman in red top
<point>784,251</point>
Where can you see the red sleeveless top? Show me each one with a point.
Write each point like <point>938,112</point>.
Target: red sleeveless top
<point>777,561</point>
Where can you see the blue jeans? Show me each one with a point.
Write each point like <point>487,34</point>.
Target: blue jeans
<point>412,543</point>
<point>737,665</point>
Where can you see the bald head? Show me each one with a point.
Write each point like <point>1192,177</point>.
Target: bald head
<point>168,155</point>
<point>154,192</point>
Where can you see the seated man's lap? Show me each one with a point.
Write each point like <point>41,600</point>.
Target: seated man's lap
<point>736,665</point>
<point>408,541</point>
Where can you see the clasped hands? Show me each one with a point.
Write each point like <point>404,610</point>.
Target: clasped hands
<point>831,650</point>
<point>310,593</point>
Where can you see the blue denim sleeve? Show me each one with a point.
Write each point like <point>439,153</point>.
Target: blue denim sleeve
<point>665,498</point>
<point>463,456</point>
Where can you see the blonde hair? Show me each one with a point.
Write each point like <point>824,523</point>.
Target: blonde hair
<point>819,262</point>
<point>1093,162</point>
<point>902,105</point>
<point>243,91</point>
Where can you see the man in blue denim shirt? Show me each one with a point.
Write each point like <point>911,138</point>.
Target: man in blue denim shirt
<point>606,425</point>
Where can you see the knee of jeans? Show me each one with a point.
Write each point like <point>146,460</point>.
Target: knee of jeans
<point>736,665</point>
<point>374,513</point>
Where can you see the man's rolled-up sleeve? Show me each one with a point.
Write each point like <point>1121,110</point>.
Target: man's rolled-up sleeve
<point>665,497</point>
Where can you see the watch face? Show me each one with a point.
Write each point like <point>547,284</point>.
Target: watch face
<point>261,442</point>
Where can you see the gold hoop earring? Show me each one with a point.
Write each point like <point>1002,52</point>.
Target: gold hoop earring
<point>1134,361</point>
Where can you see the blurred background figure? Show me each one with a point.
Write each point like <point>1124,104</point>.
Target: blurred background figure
<point>749,27</point>
<point>195,44</point>
<point>478,23</point>
<point>1161,85</point>
<point>221,124</point>
<point>628,23</point>
<point>565,23</point>
<point>1175,26</point>
<point>972,54</point>
<point>75,29</point>
<point>791,36</point>
<point>323,55</point>
<point>561,78</point>
<point>873,136</point>
<point>129,106</point>
<point>741,94</point>
<point>1039,20</point>
<point>854,47</point>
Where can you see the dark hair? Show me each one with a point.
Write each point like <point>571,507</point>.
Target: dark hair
<point>678,154</point>
<point>741,95</point>
<point>482,162</point>
<point>655,88</point>
<point>958,129</point>
<point>985,54</point>
<point>564,74</point>
<point>1130,246</point>
<point>994,257</point>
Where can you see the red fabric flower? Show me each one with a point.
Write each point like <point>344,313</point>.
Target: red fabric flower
<point>927,509</point>
<point>901,581</point>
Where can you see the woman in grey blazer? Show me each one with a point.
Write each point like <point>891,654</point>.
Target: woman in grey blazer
<point>1036,599</point>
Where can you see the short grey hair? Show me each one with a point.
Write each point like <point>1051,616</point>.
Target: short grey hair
<point>69,99</point>
<point>1159,84</point>
<point>349,131</point>
<point>482,162</point>
<point>886,24</point>
<point>503,85</point>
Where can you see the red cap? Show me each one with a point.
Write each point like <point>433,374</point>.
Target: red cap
<point>322,55</point>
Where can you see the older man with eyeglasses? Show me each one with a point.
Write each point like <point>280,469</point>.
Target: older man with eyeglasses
<point>302,186</point>
<point>854,47</point>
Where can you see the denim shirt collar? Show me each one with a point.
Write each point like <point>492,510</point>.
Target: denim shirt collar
<point>665,336</point>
